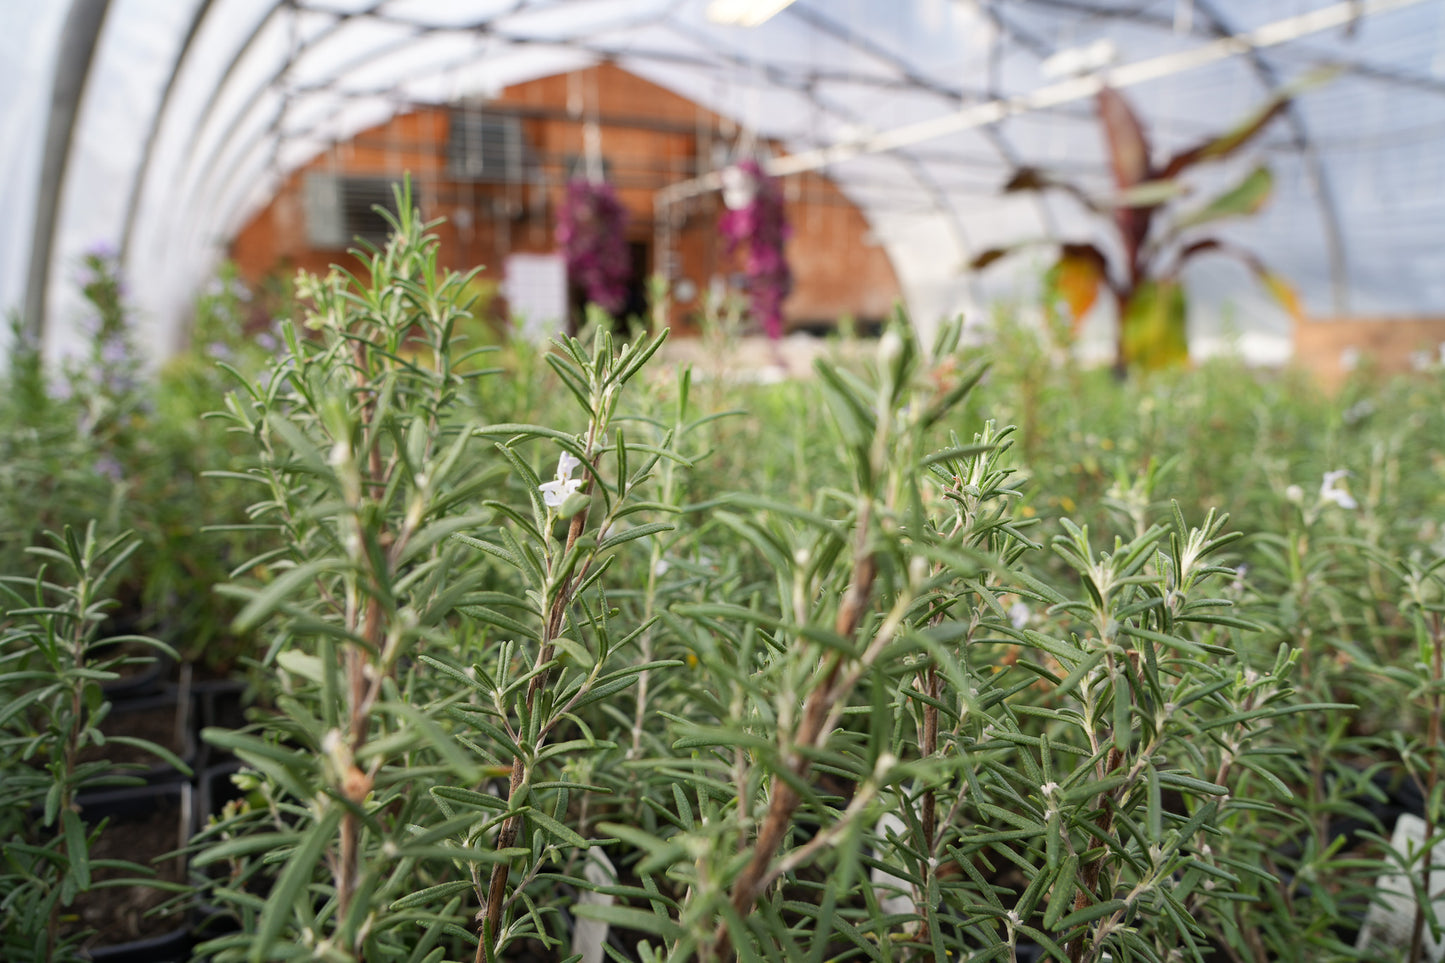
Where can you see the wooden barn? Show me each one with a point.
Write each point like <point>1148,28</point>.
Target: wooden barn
<point>496,171</point>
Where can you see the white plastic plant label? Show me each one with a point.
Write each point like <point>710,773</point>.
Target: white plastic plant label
<point>1391,918</point>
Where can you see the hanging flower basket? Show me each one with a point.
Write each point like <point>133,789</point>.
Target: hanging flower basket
<point>591,230</point>
<point>755,221</point>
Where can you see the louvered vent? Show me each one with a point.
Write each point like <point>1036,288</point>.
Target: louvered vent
<point>341,209</point>
<point>486,146</point>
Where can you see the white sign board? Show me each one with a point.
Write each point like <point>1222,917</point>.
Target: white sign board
<point>536,293</point>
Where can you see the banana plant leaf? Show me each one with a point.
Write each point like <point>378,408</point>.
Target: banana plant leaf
<point>1076,278</point>
<point>1154,332</point>
<point>1124,137</point>
<point>1218,148</point>
<point>1033,179</point>
<point>1278,287</point>
<point>1246,197</point>
<point>1129,158</point>
<point>987,256</point>
<point>1152,193</point>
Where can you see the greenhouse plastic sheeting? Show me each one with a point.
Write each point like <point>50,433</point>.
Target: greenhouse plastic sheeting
<point>187,114</point>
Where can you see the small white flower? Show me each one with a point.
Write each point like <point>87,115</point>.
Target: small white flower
<point>1019,615</point>
<point>1340,496</point>
<point>1295,494</point>
<point>555,492</point>
<point>1358,412</point>
<point>890,346</point>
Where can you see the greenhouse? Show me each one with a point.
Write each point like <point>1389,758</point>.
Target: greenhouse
<point>647,480</point>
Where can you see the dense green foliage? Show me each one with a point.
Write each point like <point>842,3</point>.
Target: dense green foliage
<point>953,653</point>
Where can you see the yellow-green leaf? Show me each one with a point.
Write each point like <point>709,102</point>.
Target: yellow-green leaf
<point>1284,293</point>
<point>1150,194</point>
<point>1155,326</point>
<point>1246,197</point>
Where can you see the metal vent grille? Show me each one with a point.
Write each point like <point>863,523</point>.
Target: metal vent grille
<point>341,209</point>
<point>487,147</point>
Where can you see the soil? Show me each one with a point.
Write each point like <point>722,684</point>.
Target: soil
<point>154,723</point>
<point>118,913</point>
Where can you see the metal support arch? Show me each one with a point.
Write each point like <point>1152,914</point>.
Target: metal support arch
<point>72,66</point>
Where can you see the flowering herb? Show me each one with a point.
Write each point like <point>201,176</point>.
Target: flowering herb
<point>114,360</point>
<point>555,492</point>
<point>1330,490</point>
<point>762,225</point>
<point>591,229</point>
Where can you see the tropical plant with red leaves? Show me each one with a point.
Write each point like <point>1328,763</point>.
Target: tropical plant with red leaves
<point>592,230</point>
<point>760,226</point>
<point>1155,237</point>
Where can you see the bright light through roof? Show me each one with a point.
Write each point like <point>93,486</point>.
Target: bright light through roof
<point>744,13</point>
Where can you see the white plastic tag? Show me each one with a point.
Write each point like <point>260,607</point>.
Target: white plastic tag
<point>1391,919</point>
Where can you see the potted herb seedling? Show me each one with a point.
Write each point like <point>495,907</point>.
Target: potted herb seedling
<point>53,710</point>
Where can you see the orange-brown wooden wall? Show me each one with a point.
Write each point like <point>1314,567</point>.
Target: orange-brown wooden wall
<point>650,137</point>
<point>1330,347</point>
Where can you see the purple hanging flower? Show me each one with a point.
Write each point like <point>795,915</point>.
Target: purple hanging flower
<point>761,223</point>
<point>591,229</point>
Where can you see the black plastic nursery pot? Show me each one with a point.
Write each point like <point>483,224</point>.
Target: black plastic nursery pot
<point>219,704</point>
<point>138,922</point>
<point>165,718</point>
<point>147,676</point>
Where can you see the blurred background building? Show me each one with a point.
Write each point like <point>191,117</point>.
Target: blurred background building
<point>497,170</point>
<point>178,133</point>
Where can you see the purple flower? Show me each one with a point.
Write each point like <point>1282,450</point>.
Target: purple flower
<point>113,351</point>
<point>762,225</point>
<point>60,388</point>
<point>107,465</point>
<point>592,231</point>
